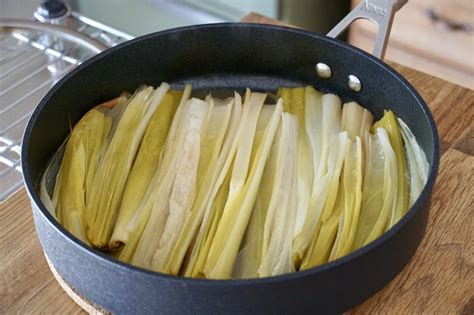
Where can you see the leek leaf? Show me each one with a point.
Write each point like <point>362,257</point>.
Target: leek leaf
<point>251,111</point>
<point>249,256</point>
<point>165,259</point>
<point>276,255</point>
<point>237,211</point>
<point>390,124</point>
<point>390,187</point>
<point>78,162</point>
<point>323,238</point>
<point>137,223</point>
<point>144,167</point>
<point>417,164</point>
<point>299,105</point>
<point>218,197</point>
<point>372,189</point>
<point>175,193</point>
<point>115,164</point>
<point>356,120</point>
<point>352,198</point>
<point>327,160</point>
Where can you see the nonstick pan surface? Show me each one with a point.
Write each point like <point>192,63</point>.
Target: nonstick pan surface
<point>227,57</point>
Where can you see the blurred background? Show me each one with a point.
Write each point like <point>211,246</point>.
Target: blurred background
<point>432,36</point>
<point>139,17</point>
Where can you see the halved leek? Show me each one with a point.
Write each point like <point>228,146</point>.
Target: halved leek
<point>301,105</point>
<point>372,189</point>
<point>250,253</point>
<point>356,120</point>
<point>417,164</point>
<point>134,228</point>
<point>144,166</point>
<point>251,111</point>
<point>390,124</point>
<point>323,238</point>
<point>276,257</point>
<point>351,196</point>
<point>231,228</point>
<point>116,162</point>
<point>78,163</point>
<point>215,204</point>
<point>175,194</point>
<point>211,144</point>
<point>327,161</point>
<point>390,188</point>
<point>219,190</point>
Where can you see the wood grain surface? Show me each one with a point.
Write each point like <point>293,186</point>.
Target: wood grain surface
<point>433,36</point>
<point>438,280</point>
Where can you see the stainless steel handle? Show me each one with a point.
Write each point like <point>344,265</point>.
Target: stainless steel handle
<point>381,12</point>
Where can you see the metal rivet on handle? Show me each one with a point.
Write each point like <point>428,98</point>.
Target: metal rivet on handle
<point>323,70</point>
<point>354,83</point>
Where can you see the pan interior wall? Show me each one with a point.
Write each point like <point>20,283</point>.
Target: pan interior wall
<point>216,58</point>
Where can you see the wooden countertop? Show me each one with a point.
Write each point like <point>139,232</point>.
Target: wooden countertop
<point>439,279</point>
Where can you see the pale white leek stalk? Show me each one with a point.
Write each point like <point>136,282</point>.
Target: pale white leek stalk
<point>116,162</point>
<point>169,255</point>
<point>302,102</point>
<point>372,189</point>
<point>380,190</point>
<point>79,161</point>
<point>249,257</point>
<point>237,211</point>
<point>280,217</point>
<point>390,124</point>
<point>417,163</point>
<point>351,197</point>
<point>323,238</point>
<point>136,225</point>
<point>176,191</point>
<point>218,197</point>
<point>323,125</point>
<point>144,166</point>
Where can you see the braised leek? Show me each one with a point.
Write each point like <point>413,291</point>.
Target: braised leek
<point>216,189</point>
<point>390,124</point>
<point>231,228</point>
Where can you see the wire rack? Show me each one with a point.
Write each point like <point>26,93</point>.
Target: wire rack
<point>32,61</point>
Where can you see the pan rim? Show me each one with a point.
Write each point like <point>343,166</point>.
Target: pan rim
<point>53,223</point>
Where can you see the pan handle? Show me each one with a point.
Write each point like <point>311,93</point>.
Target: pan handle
<point>380,12</point>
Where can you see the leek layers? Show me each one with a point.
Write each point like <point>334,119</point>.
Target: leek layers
<point>225,188</point>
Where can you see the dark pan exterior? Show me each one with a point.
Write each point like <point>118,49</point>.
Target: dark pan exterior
<point>227,56</point>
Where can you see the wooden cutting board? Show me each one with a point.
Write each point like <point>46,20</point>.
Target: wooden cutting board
<point>439,279</point>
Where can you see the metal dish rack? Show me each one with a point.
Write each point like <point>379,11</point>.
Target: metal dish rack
<point>34,55</point>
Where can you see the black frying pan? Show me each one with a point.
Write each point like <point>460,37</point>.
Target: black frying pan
<point>223,57</point>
